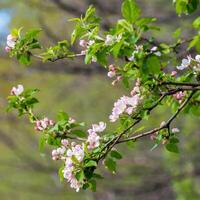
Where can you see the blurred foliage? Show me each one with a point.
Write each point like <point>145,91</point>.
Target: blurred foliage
<point>142,174</point>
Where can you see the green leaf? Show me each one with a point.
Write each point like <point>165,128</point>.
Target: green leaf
<point>152,65</point>
<point>62,116</point>
<point>80,176</point>
<point>130,10</point>
<point>174,140</point>
<point>60,173</point>
<point>110,164</point>
<point>42,142</point>
<point>32,34</point>
<point>24,58</point>
<point>92,185</point>
<point>97,176</point>
<point>196,23</point>
<point>177,33</point>
<point>91,163</point>
<point>79,133</point>
<point>115,154</point>
<point>172,147</point>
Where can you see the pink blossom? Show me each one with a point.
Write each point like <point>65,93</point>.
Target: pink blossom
<point>179,95</point>
<point>71,120</point>
<point>197,58</point>
<point>175,130</point>
<point>173,73</point>
<point>65,142</point>
<point>55,155</point>
<point>11,41</point>
<point>112,67</point>
<point>119,78</point>
<point>78,152</point>
<point>8,49</point>
<point>43,124</point>
<point>153,136</point>
<point>126,104</point>
<point>83,43</point>
<point>99,127</point>
<point>93,141</point>
<point>17,90</point>
<point>136,89</point>
<point>111,74</point>
<point>109,40</point>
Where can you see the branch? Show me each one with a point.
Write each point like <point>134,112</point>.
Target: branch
<point>166,125</point>
<point>181,84</point>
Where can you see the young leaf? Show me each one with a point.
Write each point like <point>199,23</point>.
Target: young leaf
<point>79,133</point>
<point>91,163</point>
<point>115,154</point>
<point>110,165</point>
<point>172,147</point>
<point>130,10</point>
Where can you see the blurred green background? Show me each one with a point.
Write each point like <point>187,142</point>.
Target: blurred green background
<point>86,94</point>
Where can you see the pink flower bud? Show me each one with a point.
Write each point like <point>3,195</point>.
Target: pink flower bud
<point>51,122</point>
<point>111,74</point>
<point>175,130</point>
<point>173,73</point>
<point>65,142</point>
<point>153,136</point>
<point>17,90</point>
<point>11,38</point>
<point>179,95</point>
<point>111,67</point>
<point>8,49</point>
<point>71,120</point>
<point>83,43</point>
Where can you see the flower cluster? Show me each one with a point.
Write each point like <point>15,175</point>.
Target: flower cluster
<point>11,41</point>
<point>86,45</point>
<point>93,138</point>
<point>127,104</point>
<point>136,51</point>
<point>155,135</point>
<point>112,71</point>
<point>193,63</point>
<point>110,39</point>
<point>72,155</point>
<point>155,51</point>
<point>179,96</point>
<point>43,124</point>
<point>185,63</point>
<point>16,91</point>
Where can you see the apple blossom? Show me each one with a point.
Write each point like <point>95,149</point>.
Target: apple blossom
<point>111,74</point>
<point>41,125</point>
<point>175,130</point>
<point>109,40</point>
<point>83,43</point>
<point>11,41</point>
<point>179,95</point>
<point>17,90</point>
<point>99,127</point>
<point>93,140</point>
<point>174,73</point>
<point>197,58</point>
<point>185,63</point>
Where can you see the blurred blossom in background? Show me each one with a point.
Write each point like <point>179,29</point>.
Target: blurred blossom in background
<point>26,174</point>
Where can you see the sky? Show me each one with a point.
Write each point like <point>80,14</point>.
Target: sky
<point>4,22</point>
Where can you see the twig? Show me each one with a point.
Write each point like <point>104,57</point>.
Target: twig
<point>166,125</point>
